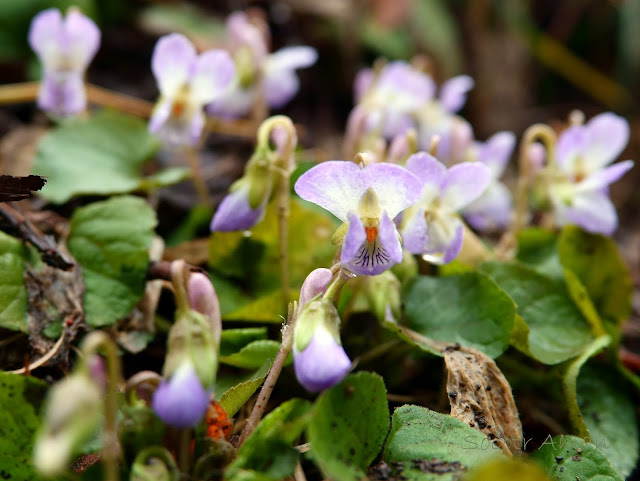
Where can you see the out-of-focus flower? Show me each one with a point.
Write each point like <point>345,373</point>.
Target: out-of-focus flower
<point>578,185</point>
<point>432,226</point>
<point>366,199</point>
<point>319,359</point>
<point>258,73</point>
<point>203,299</point>
<point>65,48</point>
<point>492,210</point>
<point>187,82</point>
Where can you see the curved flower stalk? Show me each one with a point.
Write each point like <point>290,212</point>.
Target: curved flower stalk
<point>65,47</point>
<point>493,209</point>
<point>319,359</point>
<point>432,227</point>
<point>259,75</point>
<point>366,199</point>
<point>187,82</point>
<point>191,362</point>
<point>579,180</point>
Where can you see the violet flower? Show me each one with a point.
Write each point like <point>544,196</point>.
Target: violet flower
<point>234,212</point>
<point>319,360</point>
<point>431,227</point>
<point>65,48</point>
<point>579,187</point>
<point>366,199</point>
<point>186,82</point>
<point>182,400</point>
<point>492,210</point>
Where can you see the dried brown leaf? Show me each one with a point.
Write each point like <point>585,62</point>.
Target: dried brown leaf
<point>480,396</point>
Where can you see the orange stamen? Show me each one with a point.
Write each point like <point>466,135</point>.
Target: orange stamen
<point>372,233</point>
<point>177,108</point>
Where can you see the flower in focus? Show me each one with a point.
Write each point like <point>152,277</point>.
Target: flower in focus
<point>182,400</point>
<point>579,182</point>
<point>257,72</point>
<point>366,199</point>
<point>492,210</point>
<point>432,226</point>
<point>319,359</point>
<point>65,48</point>
<point>187,82</point>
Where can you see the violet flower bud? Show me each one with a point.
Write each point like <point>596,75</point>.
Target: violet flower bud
<point>203,298</point>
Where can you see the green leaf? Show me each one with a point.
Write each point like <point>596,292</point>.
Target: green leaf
<point>101,155</point>
<point>434,446</point>
<point>388,42</point>
<point>111,239</point>
<point>538,249</point>
<point>349,424</point>
<point>609,415</point>
<point>13,294</point>
<point>232,340</point>
<point>165,178</point>
<point>253,355</point>
<point>557,329</point>
<point>598,265</point>
<point>507,470</point>
<point>268,452</point>
<point>236,397</point>
<point>468,308</point>
<point>21,401</point>
<point>569,458</point>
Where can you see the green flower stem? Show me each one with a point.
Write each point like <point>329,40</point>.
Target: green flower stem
<point>198,179</point>
<point>334,288</point>
<point>161,454</point>
<point>143,377</point>
<point>270,382</point>
<point>184,450</point>
<point>111,450</point>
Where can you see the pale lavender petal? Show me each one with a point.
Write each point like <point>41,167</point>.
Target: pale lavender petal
<point>335,185</point>
<point>460,138</point>
<point>594,212</point>
<point>172,62</point>
<point>571,143</point>
<point>235,102</point>
<point>316,283</point>
<point>234,212</point>
<point>537,156</point>
<point>396,123</point>
<point>62,93</point>
<point>196,126</point>
<point>414,231</point>
<point>181,401</point>
<point>453,93</point>
<point>291,58</point>
<point>399,149</point>
<point>427,168</point>
<point>213,72</point>
<point>396,187</point>
<point>280,88</point>
<point>415,87</point>
<point>242,32</point>
<point>160,115</point>
<point>46,35</point>
<point>281,82</point>
<point>354,239</point>
<point>607,136</point>
<point>82,39</point>
<point>455,246</point>
<point>322,364</point>
<point>362,83</point>
<point>203,299</point>
<point>388,236</point>
<point>496,152</point>
<point>464,183</point>
<point>604,177</point>
<point>492,210</point>
<point>442,233</point>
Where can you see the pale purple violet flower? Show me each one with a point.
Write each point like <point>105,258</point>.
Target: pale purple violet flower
<point>65,48</point>
<point>579,192</point>
<point>431,227</point>
<point>366,199</point>
<point>203,299</point>
<point>234,212</point>
<point>316,283</point>
<point>181,401</point>
<point>187,82</point>
<point>492,210</point>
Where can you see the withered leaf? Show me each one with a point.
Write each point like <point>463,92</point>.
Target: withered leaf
<point>18,188</point>
<point>480,396</point>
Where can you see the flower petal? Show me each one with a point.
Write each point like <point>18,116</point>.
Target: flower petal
<point>181,401</point>
<point>362,83</point>
<point>291,58</point>
<point>427,168</point>
<point>62,93</point>
<point>46,36</point>
<point>280,88</point>
<point>335,185</point>
<point>82,39</point>
<point>242,32</point>
<point>160,115</point>
<point>604,177</point>
<point>496,151</point>
<point>353,240</point>
<point>213,72</point>
<point>445,238</point>
<point>234,212</point>
<point>316,283</point>
<point>571,143</point>
<point>607,136</point>
<point>464,183</point>
<point>594,212</point>
<point>408,86</point>
<point>172,62</point>
<point>396,187</point>
<point>196,126</point>
<point>322,364</point>
<point>388,235</point>
<point>492,210</point>
<point>453,93</point>
<point>235,102</point>
<point>455,246</point>
<point>414,230</point>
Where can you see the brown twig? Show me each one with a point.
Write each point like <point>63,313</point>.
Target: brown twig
<point>15,224</point>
